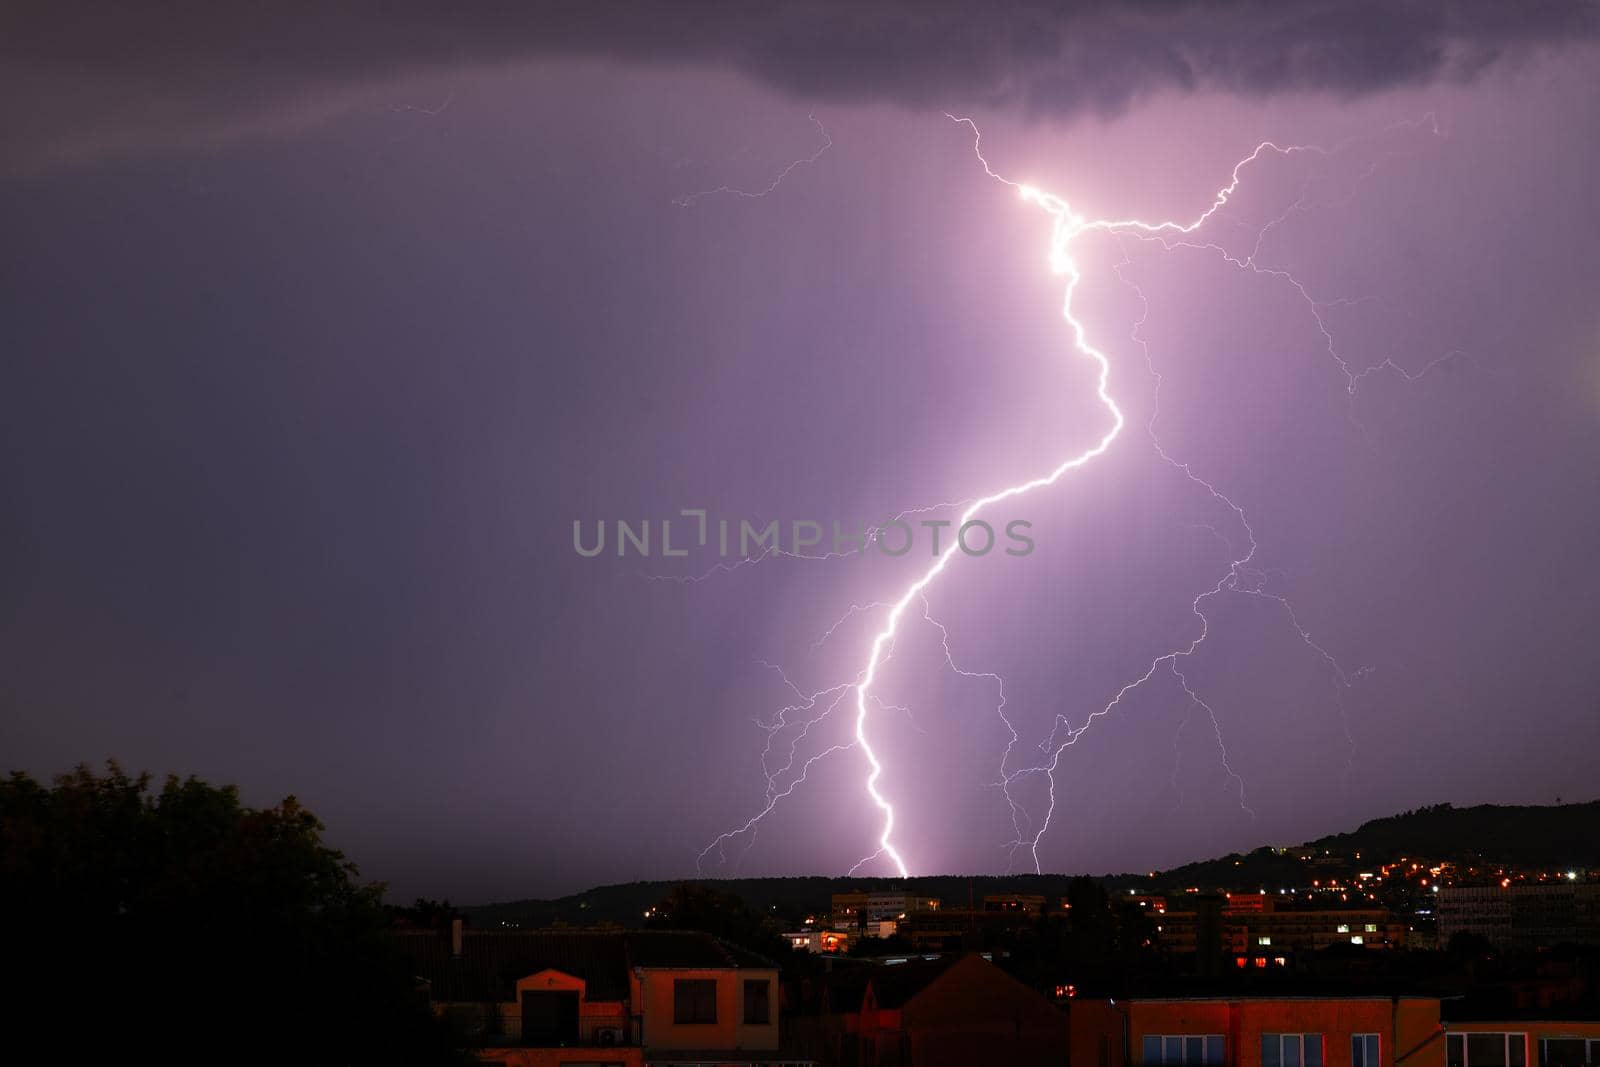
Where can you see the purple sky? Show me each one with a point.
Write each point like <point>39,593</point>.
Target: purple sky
<point>312,359</point>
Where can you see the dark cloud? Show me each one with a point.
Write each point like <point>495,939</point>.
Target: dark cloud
<point>87,79</point>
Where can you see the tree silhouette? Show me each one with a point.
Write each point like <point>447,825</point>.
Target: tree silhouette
<point>183,925</point>
<point>700,907</point>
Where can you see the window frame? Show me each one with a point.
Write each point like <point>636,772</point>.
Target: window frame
<point>1300,1040</point>
<point>1360,1041</point>
<point>763,1000</point>
<point>1591,1047</point>
<point>1464,1036</point>
<point>1183,1050</point>
<point>693,1002</point>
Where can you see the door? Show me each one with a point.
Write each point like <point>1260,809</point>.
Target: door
<point>549,1019</point>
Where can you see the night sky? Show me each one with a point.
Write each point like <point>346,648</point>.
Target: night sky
<point>320,329</point>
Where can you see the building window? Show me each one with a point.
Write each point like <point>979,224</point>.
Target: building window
<point>1357,939</point>
<point>1291,1050</point>
<point>1489,1049</point>
<point>1365,1051</point>
<point>1263,940</point>
<point>1569,1051</point>
<point>694,1000</point>
<point>1371,928</point>
<point>1343,928</point>
<point>757,1003</point>
<point>1182,1050</point>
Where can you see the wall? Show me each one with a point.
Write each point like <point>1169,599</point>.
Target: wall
<point>653,1000</point>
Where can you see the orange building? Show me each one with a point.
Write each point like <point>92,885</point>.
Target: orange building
<point>639,999</point>
<point>699,999</point>
<point>1258,1031</point>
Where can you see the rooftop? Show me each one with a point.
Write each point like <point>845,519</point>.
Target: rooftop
<point>491,961</point>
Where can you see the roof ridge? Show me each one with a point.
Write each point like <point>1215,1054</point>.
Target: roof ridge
<point>731,949</point>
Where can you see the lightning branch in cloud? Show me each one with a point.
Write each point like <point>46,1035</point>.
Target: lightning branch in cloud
<point>690,199</point>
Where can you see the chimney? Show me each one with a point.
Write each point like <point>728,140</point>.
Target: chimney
<point>455,937</point>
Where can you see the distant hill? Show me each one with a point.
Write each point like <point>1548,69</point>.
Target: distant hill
<point>1568,835</point>
<point>1553,837</point>
<point>790,899</point>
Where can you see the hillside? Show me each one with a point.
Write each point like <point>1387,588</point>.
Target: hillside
<point>1551,837</point>
<point>1533,836</point>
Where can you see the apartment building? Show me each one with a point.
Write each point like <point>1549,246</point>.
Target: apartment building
<point>1256,928</point>
<point>1258,1031</point>
<point>855,911</point>
<point>1322,1031</point>
<point>1522,916</point>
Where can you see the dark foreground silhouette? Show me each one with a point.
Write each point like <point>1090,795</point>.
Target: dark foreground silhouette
<point>181,925</point>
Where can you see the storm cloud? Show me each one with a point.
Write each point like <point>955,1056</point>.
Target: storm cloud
<point>85,81</point>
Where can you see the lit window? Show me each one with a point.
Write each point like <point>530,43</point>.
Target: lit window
<point>1344,928</point>
<point>1372,928</point>
<point>1263,940</point>
<point>1358,940</point>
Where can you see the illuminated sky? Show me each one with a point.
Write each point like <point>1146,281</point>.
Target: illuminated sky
<point>320,335</point>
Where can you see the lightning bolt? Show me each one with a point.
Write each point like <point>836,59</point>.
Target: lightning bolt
<point>1067,227</point>
<point>400,109</point>
<point>1240,578</point>
<point>689,199</point>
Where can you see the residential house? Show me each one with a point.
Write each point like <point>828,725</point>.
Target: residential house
<point>564,998</point>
